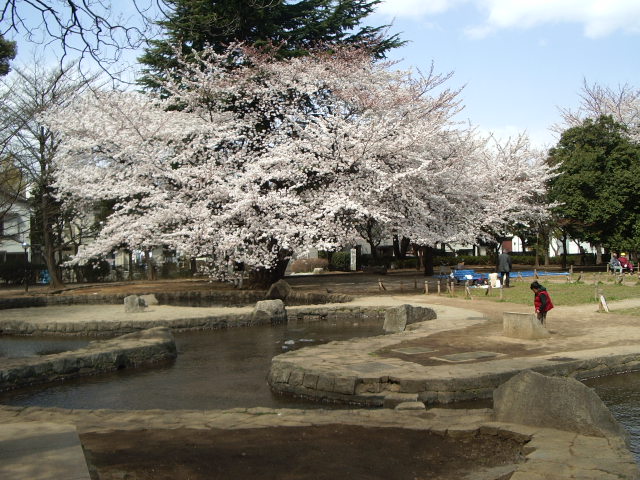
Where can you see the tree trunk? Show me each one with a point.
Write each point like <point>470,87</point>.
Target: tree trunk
<point>404,247</point>
<point>264,278</point>
<point>396,246</point>
<point>374,248</point>
<point>130,259</point>
<point>428,254</point>
<point>599,254</point>
<point>564,250</point>
<point>148,260</point>
<point>49,247</point>
<point>400,246</point>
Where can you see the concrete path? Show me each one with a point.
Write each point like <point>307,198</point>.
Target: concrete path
<point>41,451</point>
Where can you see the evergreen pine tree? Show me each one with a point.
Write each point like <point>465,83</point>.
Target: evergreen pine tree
<point>294,26</point>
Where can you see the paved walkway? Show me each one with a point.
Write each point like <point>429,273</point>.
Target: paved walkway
<point>41,451</point>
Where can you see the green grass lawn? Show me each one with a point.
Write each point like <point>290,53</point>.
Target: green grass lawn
<point>561,293</point>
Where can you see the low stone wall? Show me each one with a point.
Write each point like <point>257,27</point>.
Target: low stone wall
<point>353,378</point>
<point>128,325</point>
<point>187,299</point>
<point>132,350</point>
<point>352,314</point>
<point>336,314</point>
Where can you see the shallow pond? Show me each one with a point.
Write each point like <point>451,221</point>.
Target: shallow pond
<point>28,346</point>
<point>216,369</point>
<point>621,394</point>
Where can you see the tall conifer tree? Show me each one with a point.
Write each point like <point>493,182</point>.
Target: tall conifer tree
<point>295,26</point>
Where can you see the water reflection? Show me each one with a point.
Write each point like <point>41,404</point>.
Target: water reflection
<point>27,346</point>
<point>621,394</point>
<point>214,369</point>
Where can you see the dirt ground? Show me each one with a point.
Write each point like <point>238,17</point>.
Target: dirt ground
<point>292,453</point>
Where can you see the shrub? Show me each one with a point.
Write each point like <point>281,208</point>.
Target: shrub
<point>340,261</point>
<point>305,265</point>
<point>94,270</point>
<point>13,271</point>
<point>409,262</point>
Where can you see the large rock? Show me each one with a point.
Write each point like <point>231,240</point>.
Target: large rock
<point>397,318</point>
<point>134,304</point>
<point>523,325</point>
<point>530,398</point>
<point>149,299</point>
<point>279,290</point>
<point>269,311</point>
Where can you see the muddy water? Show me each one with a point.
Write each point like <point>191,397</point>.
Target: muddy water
<point>214,370</point>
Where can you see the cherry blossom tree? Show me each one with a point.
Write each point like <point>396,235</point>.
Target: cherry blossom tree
<point>249,159</point>
<point>621,103</point>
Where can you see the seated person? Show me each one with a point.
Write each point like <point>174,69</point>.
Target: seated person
<point>625,263</point>
<point>614,264</point>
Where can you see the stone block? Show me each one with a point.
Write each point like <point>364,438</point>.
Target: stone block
<point>310,381</point>
<point>523,325</point>
<point>326,383</point>
<point>269,312</point>
<point>134,304</point>
<point>410,406</point>
<point>392,400</point>
<point>530,398</point>
<point>346,385</point>
<point>280,290</point>
<point>397,318</point>
<point>150,299</point>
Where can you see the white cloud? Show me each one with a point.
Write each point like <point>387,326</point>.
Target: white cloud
<point>597,17</point>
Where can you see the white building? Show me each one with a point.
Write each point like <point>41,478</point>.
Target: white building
<point>14,228</point>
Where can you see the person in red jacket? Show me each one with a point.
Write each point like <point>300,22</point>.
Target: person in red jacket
<point>541,301</point>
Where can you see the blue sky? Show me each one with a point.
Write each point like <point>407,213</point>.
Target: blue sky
<point>519,60</point>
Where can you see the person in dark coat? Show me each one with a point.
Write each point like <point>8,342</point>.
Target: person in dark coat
<point>504,267</point>
<point>541,301</point>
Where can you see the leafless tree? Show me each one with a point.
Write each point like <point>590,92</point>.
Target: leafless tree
<point>83,29</point>
<point>33,147</point>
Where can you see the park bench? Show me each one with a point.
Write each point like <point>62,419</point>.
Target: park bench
<point>469,275</point>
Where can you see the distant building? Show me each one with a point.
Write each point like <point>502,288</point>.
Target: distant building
<point>15,224</point>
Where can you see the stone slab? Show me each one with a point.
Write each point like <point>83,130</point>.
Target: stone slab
<point>468,356</point>
<point>414,350</point>
<point>41,451</point>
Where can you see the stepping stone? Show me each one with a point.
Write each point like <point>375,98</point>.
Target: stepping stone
<point>467,356</point>
<point>411,406</point>
<point>414,350</point>
<point>392,400</point>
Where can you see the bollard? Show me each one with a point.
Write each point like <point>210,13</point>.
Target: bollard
<point>438,287</point>
<point>426,287</point>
